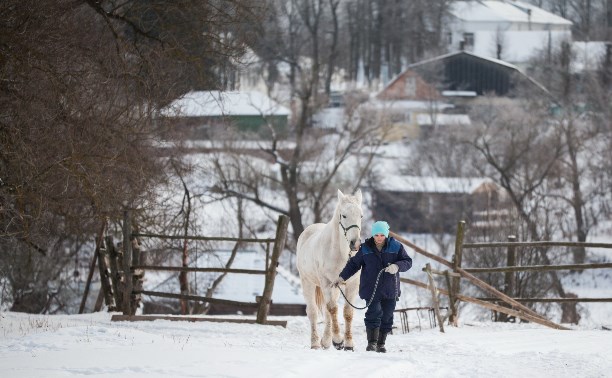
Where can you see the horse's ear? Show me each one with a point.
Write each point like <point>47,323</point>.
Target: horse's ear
<point>340,195</point>
<point>358,195</point>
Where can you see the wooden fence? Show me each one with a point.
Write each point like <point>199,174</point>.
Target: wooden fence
<point>510,306</point>
<point>134,271</point>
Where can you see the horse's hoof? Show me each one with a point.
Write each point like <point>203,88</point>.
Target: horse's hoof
<point>315,347</point>
<point>349,349</point>
<point>339,345</point>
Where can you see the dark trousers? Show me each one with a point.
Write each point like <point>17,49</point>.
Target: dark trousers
<point>380,314</point>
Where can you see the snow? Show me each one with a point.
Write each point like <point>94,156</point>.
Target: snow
<point>216,103</point>
<point>510,11</point>
<point>91,345</point>
<point>521,29</point>
<point>442,119</point>
<point>433,184</point>
<point>235,286</point>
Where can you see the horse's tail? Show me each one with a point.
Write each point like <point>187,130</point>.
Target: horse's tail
<point>319,299</point>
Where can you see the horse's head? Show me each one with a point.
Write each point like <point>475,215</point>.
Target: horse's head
<point>349,216</point>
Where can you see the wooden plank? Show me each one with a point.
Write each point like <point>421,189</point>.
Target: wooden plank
<point>127,263</point>
<point>505,310</point>
<point>539,268</point>
<point>92,266</point>
<point>445,273</point>
<point>136,318</point>
<point>537,244</point>
<point>508,311</point>
<point>205,238</point>
<point>279,244</point>
<point>551,300</point>
<point>485,286</point>
<point>194,298</point>
<point>203,270</point>
<point>434,296</point>
<point>421,251</point>
<point>455,288</point>
<point>115,277</point>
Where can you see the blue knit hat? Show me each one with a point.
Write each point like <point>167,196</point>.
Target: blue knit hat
<point>380,227</point>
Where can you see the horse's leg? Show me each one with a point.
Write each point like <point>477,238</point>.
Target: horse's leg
<point>332,328</point>
<point>351,293</point>
<point>312,311</point>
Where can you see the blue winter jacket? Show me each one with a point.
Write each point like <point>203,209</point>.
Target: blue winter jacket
<point>371,261</point>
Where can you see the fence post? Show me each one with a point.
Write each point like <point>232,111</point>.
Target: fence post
<point>509,277</point>
<point>127,262</point>
<point>454,305</point>
<point>434,296</point>
<point>279,245</point>
<point>451,297</point>
<point>114,273</point>
<point>105,278</point>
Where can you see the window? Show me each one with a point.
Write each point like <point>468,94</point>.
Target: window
<point>468,40</point>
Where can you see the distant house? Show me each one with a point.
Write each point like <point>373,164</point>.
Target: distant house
<point>414,102</point>
<point>435,204</point>
<point>215,114</point>
<point>457,74</point>
<point>504,29</point>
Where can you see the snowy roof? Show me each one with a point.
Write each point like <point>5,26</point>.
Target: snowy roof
<point>440,58</point>
<point>419,184</point>
<point>404,105</point>
<point>463,52</point>
<point>217,103</point>
<point>443,119</point>
<point>459,93</point>
<point>504,11</point>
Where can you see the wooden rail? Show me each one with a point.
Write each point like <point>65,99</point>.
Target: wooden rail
<point>511,306</point>
<point>539,268</point>
<point>195,298</point>
<point>537,244</point>
<point>552,300</point>
<point>204,238</point>
<point>517,309</point>
<point>132,318</point>
<point>132,266</point>
<point>201,270</point>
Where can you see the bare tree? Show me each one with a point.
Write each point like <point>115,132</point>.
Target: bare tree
<point>79,85</point>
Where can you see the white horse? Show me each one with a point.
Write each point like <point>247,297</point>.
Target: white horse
<point>322,252</point>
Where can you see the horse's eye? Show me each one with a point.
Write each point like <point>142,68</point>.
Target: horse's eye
<point>344,216</point>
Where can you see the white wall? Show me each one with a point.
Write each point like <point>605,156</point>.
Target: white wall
<point>517,45</point>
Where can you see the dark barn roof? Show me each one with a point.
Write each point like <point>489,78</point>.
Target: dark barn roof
<point>465,71</point>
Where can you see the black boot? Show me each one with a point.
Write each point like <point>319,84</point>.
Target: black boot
<point>372,334</point>
<point>380,343</point>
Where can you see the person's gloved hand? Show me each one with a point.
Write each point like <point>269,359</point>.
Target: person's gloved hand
<point>339,281</point>
<point>392,269</point>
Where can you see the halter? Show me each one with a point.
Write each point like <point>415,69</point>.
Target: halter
<point>345,231</point>
<point>347,228</point>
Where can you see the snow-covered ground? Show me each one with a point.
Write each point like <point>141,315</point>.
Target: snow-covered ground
<point>92,345</point>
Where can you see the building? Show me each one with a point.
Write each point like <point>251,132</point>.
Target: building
<point>435,204</point>
<point>437,93</point>
<point>207,115</point>
<point>504,29</point>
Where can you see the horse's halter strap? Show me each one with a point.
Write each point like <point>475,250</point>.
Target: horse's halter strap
<point>345,229</point>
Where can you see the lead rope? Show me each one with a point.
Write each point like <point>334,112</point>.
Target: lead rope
<point>373,293</point>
